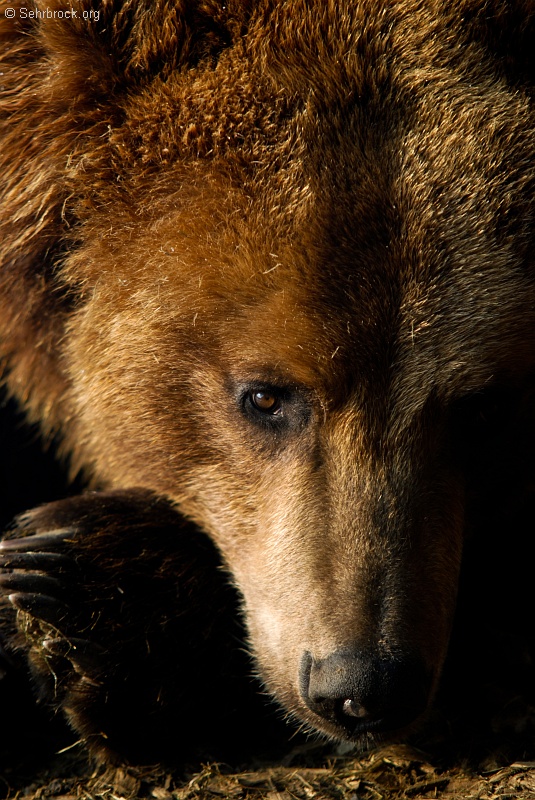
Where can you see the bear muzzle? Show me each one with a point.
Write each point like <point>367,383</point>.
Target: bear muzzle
<point>361,691</point>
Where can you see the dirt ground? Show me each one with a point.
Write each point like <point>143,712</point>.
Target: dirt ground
<point>390,773</point>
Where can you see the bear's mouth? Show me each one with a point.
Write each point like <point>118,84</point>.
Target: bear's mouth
<point>342,726</point>
<point>392,726</point>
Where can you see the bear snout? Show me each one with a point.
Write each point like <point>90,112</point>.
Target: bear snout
<point>362,691</point>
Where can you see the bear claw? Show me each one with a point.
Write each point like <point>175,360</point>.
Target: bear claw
<point>31,582</point>
<point>40,606</point>
<point>36,541</point>
<point>38,562</point>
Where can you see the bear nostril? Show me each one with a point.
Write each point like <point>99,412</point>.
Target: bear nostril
<point>361,691</point>
<point>350,708</point>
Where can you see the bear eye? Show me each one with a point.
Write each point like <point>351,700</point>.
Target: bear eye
<point>275,409</point>
<point>266,401</point>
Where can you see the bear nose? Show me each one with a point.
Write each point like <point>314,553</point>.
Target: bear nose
<point>364,691</point>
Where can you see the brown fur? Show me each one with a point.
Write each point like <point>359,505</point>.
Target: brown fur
<point>333,198</point>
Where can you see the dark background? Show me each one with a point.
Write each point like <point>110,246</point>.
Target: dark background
<point>30,473</point>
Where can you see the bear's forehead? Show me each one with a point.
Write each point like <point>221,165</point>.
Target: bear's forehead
<point>348,215</point>
<point>332,291</point>
<point>362,330</point>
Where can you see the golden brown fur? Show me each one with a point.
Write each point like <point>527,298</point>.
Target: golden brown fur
<point>334,199</point>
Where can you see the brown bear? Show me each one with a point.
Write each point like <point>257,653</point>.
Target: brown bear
<point>266,269</point>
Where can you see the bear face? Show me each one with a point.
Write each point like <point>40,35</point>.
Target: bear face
<point>294,257</point>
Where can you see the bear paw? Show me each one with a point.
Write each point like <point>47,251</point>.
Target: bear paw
<point>123,616</point>
<point>37,578</point>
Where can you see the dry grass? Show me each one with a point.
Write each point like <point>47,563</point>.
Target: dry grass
<point>395,772</point>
